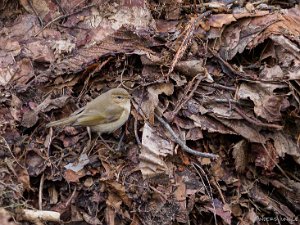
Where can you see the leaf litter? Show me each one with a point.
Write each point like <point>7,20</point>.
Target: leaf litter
<point>219,78</point>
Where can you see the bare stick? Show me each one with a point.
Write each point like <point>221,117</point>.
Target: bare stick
<point>256,122</point>
<point>182,144</point>
<point>227,65</point>
<point>219,86</point>
<point>209,192</point>
<point>35,12</point>
<point>37,215</point>
<point>185,100</point>
<point>63,17</point>
<point>41,192</point>
<point>136,133</point>
<point>189,31</point>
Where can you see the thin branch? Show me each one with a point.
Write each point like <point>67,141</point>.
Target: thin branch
<point>185,100</point>
<point>227,65</point>
<point>189,31</point>
<point>41,191</point>
<point>219,86</point>
<point>35,12</point>
<point>182,144</point>
<point>136,133</point>
<point>64,16</point>
<point>256,122</point>
<point>209,192</point>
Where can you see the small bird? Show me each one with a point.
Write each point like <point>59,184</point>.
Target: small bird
<point>105,114</point>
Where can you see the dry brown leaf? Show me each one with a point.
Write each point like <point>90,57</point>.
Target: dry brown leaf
<point>23,177</point>
<point>268,105</point>
<point>250,218</point>
<point>30,118</point>
<point>114,201</point>
<point>209,124</point>
<point>258,195</point>
<point>39,51</point>
<point>35,163</point>
<point>150,100</point>
<point>82,161</point>
<point>15,107</point>
<point>110,215</point>
<point>71,176</point>
<point>191,68</point>
<point>154,149</point>
<point>245,129</point>
<point>240,155</point>
<point>219,20</point>
<point>194,134</point>
<point>5,217</point>
<point>90,219</point>
<point>220,210</point>
<point>180,195</point>
<point>119,190</point>
<point>284,144</point>
<point>53,195</point>
<point>265,155</point>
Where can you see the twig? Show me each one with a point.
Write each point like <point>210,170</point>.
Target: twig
<point>86,82</point>
<point>41,192</point>
<point>182,144</point>
<point>121,77</point>
<point>190,28</point>
<point>276,164</point>
<point>227,65</point>
<point>185,100</point>
<point>256,122</point>
<point>207,99</point>
<point>39,215</point>
<point>219,86</point>
<point>159,192</point>
<point>59,6</point>
<point>184,44</point>
<point>10,151</point>
<point>135,120</point>
<point>208,5</point>
<point>10,186</point>
<point>136,133</point>
<point>64,16</point>
<point>181,101</point>
<point>217,185</point>
<point>35,12</point>
<point>209,192</point>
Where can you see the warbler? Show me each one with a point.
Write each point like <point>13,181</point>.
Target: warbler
<point>104,114</point>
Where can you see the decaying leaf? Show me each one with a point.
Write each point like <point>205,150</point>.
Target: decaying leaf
<point>5,217</point>
<point>285,145</point>
<point>225,74</point>
<point>240,154</point>
<point>149,101</point>
<point>154,149</point>
<point>30,118</point>
<point>268,105</point>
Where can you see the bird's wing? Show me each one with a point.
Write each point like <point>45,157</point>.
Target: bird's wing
<point>95,117</point>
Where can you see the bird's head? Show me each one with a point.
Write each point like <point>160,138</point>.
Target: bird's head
<point>120,96</point>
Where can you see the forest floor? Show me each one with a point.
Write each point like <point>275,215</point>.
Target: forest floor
<point>214,131</point>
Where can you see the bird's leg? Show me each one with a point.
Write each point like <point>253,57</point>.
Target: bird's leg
<point>121,139</point>
<point>89,133</point>
<point>89,144</point>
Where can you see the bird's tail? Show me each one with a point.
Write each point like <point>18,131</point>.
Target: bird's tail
<point>63,122</point>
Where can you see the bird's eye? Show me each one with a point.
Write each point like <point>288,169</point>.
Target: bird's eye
<point>119,97</point>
